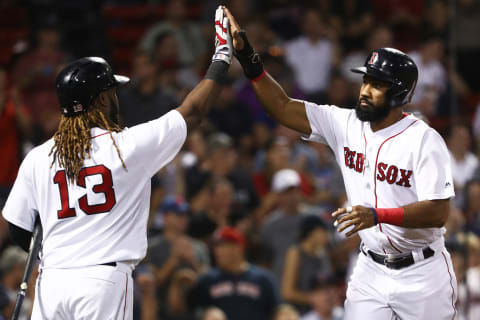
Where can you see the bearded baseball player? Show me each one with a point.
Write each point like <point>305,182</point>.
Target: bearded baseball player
<point>90,184</point>
<point>397,176</point>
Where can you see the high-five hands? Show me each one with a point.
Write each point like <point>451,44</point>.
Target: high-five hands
<point>223,39</point>
<point>234,30</point>
<point>247,56</point>
<point>358,216</point>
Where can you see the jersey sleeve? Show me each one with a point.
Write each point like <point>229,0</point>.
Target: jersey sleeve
<point>327,123</point>
<point>20,208</point>
<point>434,175</point>
<point>155,143</point>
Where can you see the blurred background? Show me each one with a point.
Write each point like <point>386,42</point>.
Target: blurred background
<point>240,222</point>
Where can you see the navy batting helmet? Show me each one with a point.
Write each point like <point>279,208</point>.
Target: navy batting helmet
<point>80,82</point>
<point>395,67</point>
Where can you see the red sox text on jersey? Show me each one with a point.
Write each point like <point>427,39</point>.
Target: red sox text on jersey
<point>385,172</point>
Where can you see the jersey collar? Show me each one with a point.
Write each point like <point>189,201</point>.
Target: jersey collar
<point>393,129</point>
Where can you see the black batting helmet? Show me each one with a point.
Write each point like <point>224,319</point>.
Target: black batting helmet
<point>80,82</point>
<point>393,66</point>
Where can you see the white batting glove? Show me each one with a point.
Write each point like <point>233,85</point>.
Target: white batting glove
<point>223,40</point>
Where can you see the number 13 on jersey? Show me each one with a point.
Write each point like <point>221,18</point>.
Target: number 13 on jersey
<point>106,187</point>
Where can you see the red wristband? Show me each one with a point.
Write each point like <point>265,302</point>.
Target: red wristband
<point>259,77</point>
<point>392,216</point>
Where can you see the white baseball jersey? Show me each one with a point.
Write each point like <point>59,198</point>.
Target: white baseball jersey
<point>404,163</point>
<point>103,217</point>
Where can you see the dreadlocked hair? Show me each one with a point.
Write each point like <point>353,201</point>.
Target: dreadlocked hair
<point>72,141</point>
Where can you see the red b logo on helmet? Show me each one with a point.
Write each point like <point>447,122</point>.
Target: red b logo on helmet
<point>78,107</point>
<point>373,58</point>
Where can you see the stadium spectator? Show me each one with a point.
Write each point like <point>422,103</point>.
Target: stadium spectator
<point>281,228</point>
<point>312,55</point>
<point>173,78</point>
<point>353,21</point>
<point>286,312</point>
<point>34,76</point>
<point>221,201</point>
<point>403,17</point>
<point>145,299</point>
<point>432,75</point>
<point>323,300</point>
<point>220,163</point>
<point>274,61</point>
<point>465,251</point>
<point>302,155</point>
<point>191,46</point>
<point>144,100</point>
<point>436,18</point>
<point>275,156</point>
<point>463,161</point>
<point>15,126</point>
<point>327,180</point>
<point>15,129</point>
<point>305,262</point>
<point>339,91</point>
<point>381,37</point>
<point>240,289</point>
<point>174,251</point>
<point>12,265</point>
<point>229,115</point>
<point>214,314</point>
<point>472,205</point>
<point>465,36</point>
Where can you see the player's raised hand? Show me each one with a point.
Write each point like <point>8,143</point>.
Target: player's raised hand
<point>247,56</point>
<point>223,39</point>
<point>358,216</point>
<point>234,30</point>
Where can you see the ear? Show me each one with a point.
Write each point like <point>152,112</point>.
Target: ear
<point>103,98</point>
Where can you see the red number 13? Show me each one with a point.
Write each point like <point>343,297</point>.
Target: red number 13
<point>106,187</point>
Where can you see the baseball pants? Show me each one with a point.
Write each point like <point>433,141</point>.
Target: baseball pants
<point>96,293</point>
<point>425,290</point>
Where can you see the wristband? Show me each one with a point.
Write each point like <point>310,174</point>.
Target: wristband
<point>217,71</point>
<point>393,216</point>
<point>375,216</point>
<point>259,77</point>
<point>249,59</point>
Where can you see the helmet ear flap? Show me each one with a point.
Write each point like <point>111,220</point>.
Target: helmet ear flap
<point>402,97</point>
<point>410,95</point>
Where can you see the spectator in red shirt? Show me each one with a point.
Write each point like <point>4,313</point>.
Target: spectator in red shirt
<point>35,75</point>
<point>14,124</point>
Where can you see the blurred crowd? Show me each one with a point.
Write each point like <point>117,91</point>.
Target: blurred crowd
<point>240,223</point>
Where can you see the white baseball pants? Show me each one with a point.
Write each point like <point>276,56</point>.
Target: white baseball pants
<point>426,290</point>
<point>95,293</point>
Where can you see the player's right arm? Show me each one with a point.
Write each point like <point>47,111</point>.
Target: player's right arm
<point>287,111</point>
<point>197,103</point>
<point>20,236</point>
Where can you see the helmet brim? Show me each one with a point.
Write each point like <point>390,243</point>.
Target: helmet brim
<point>121,80</point>
<point>373,73</point>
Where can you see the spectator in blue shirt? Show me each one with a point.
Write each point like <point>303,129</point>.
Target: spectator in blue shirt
<point>238,288</point>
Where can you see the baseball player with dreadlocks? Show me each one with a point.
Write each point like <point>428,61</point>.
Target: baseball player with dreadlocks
<point>90,185</point>
<point>397,177</point>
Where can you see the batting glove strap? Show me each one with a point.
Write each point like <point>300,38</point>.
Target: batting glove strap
<point>223,40</point>
<point>249,59</point>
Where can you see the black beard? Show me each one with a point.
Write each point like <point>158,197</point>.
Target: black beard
<point>371,113</point>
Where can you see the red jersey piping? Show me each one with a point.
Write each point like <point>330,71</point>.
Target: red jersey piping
<point>375,175</point>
